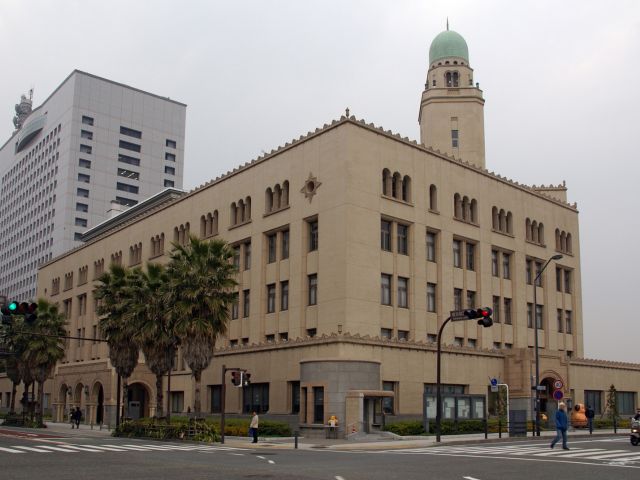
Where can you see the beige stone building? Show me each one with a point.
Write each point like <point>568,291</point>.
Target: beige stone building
<point>353,245</point>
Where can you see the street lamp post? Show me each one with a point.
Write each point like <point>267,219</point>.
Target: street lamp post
<point>536,409</point>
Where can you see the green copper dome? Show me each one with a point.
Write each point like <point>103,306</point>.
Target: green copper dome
<point>448,44</point>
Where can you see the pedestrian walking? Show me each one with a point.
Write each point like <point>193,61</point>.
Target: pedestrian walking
<point>77,416</point>
<point>561,427</point>
<point>253,427</point>
<point>72,413</point>
<point>590,414</point>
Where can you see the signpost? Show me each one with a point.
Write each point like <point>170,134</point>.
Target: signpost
<point>558,395</point>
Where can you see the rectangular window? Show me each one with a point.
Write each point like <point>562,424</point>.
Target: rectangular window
<point>236,257</point>
<point>567,281</point>
<point>85,149</point>
<point>128,160</point>
<point>80,222</point>
<point>77,237</point>
<point>318,405</point>
<point>386,333</point>
<point>431,297</point>
<point>558,279</point>
<point>538,274</point>
<point>271,298</point>
<point>124,187</point>
<point>625,401</point>
<point>560,321</point>
<point>388,402</point>
<point>84,178</point>
<point>285,244</point>
<point>126,201</point>
<point>82,192</point>
<point>403,239</point>
<point>170,157</point>
<point>403,335</point>
<point>494,263</point>
<point>568,317</point>
<point>457,299</point>
<point>403,292</point>
<point>529,315</point>
<point>87,120</point>
<point>496,309</point>
<point>216,394</point>
<point>130,132</point>
<point>122,172</point>
<point>247,256</point>
<point>313,235</point>
<point>284,336</point>
<point>170,143</point>
<point>169,170</point>
<point>431,247</point>
<point>82,207</point>
<point>454,138</point>
<point>385,289</point>
<point>169,184</point>
<point>471,257</point>
<point>86,134</point>
<point>539,316</point>
<point>471,299</point>
<point>313,289</point>
<point>84,163</point>
<point>246,297</point>
<point>385,235</point>
<point>129,146</point>
<point>235,307</point>
<point>312,332</point>
<point>593,398</point>
<point>506,265</point>
<point>255,398</point>
<point>272,247</point>
<point>295,397</point>
<point>529,275</point>
<point>457,253</point>
<point>507,311</point>
<point>177,402</point>
<point>284,295</point>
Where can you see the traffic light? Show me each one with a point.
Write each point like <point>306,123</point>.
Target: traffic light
<point>8,310</point>
<point>236,378</point>
<point>27,310</point>
<point>484,314</point>
<point>246,379</point>
<point>30,312</point>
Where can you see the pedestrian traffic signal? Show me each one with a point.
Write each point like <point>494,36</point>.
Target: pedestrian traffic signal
<point>236,378</point>
<point>485,317</point>
<point>246,379</point>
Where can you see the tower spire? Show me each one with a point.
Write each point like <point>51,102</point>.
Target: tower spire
<point>447,23</point>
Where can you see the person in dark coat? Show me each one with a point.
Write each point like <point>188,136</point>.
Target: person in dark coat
<point>590,414</point>
<point>561,426</point>
<point>77,416</point>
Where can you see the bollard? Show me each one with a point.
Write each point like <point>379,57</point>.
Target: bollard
<point>499,428</point>
<point>295,439</point>
<point>615,425</point>
<point>486,428</point>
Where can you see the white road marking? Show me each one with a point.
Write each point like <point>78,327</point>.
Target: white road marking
<point>59,449</point>
<point>10,450</point>
<point>32,449</point>
<point>83,448</point>
<point>260,457</point>
<point>338,477</point>
<point>271,462</point>
<point>237,454</point>
<point>471,478</point>
<point>614,456</point>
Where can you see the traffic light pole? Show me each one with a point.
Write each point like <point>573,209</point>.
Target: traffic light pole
<point>438,392</point>
<point>223,392</point>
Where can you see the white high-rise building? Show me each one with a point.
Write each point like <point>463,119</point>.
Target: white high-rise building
<point>93,148</point>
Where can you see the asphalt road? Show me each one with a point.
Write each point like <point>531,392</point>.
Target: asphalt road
<point>28,456</point>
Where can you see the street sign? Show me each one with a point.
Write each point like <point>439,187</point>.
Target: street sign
<point>558,395</point>
<point>494,381</point>
<point>558,384</point>
<point>494,388</point>
<point>457,315</point>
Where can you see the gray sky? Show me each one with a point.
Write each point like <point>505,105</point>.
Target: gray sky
<point>559,78</point>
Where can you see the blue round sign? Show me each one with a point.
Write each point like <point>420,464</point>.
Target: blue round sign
<point>494,381</point>
<point>558,395</point>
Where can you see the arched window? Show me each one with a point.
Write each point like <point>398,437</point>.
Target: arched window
<point>527,227</point>
<point>557,239</point>
<point>509,223</point>
<point>502,221</point>
<point>569,244</point>
<point>406,188</point>
<point>495,222</point>
<point>397,185</point>
<point>268,200</point>
<point>474,211</point>
<point>563,242</point>
<point>447,79</point>
<point>285,193</point>
<point>234,214</point>
<point>433,198</point>
<point>455,79</point>
<point>534,232</point>
<point>541,233</point>
<point>214,227</point>
<point>204,226</point>
<point>247,209</point>
<point>386,182</point>
<point>466,208</point>
<point>457,206</point>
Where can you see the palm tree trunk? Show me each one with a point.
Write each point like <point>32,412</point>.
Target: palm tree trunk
<point>159,395</point>
<point>169,395</point>
<point>40,413</point>
<point>197,376</point>
<point>125,397</point>
<point>14,392</point>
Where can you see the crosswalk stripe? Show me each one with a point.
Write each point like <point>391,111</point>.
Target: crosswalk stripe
<point>31,449</point>
<point>613,455</point>
<point>584,453</point>
<point>82,448</point>
<point>10,450</point>
<point>131,447</point>
<point>59,449</point>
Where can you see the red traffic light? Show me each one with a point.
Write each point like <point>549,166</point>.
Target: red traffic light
<point>484,312</point>
<point>485,316</point>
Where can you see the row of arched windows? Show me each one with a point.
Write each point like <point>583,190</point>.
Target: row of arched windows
<point>465,209</point>
<point>157,245</point>
<point>135,254</point>
<point>502,221</point>
<point>277,197</point>
<point>181,234</point>
<point>534,231</point>
<point>396,185</point>
<point>563,242</point>
<point>116,258</point>
<point>241,211</point>
<point>209,224</point>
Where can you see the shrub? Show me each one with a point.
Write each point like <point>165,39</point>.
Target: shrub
<point>405,427</point>
<point>179,428</point>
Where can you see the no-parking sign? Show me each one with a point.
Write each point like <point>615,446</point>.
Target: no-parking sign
<point>558,395</point>
<point>558,384</point>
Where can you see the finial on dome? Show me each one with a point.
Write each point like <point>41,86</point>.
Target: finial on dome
<point>346,111</point>
<point>447,23</point>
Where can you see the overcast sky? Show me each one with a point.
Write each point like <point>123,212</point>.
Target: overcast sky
<point>560,81</point>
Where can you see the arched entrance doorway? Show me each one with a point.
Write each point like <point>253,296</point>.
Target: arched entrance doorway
<point>548,405</point>
<point>63,410</point>
<point>97,398</point>
<point>78,399</point>
<point>138,400</point>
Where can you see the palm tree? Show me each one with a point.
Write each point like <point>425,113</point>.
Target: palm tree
<point>44,346</point>
<point>114,302</point>
<point>201,279</point>
<point>13,372</point>
<point>155,334</point>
